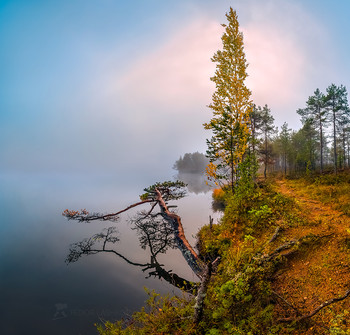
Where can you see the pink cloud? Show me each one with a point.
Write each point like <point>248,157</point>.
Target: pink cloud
<point>276,65</point>
<point>175,77</point>
<point>178,72</point>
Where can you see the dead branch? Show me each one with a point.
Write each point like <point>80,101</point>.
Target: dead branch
<point>286,302</point>
<point>84,215</point>
<point>278,250</point>
<point>316,310</point>
<point>274,236</point>
<point>289,244</point>
<point>172,278</point>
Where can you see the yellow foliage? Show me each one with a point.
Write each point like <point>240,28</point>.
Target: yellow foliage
<point>211,172</point>
<point>231,105</point>
<point>218,193</point>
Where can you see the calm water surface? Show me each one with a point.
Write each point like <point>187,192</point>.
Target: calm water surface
<point>40,294</point>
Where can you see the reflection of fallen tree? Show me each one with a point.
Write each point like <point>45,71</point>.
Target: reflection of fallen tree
<point>158,229</point>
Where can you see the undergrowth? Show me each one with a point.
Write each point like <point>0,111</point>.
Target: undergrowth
<point>240,298</point>
<point>331,189</point>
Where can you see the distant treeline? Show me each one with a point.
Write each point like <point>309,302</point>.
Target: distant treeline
<point>323,142</point>
<point>191,163</point>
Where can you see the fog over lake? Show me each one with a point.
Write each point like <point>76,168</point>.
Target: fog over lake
<point>40,293</point>
<point>99,99</point>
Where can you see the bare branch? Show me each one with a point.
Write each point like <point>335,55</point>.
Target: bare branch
<point>173,278</point>
<point>274,236</point>
<point>84,215</point>
<point>122,256</point>
<point>316,310</point>
<point>157,231</point>
<point>86,247</point>
<point>286,302</point>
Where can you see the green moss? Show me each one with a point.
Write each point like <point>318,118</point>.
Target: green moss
<point>239,299</point>
<point>162,315</point>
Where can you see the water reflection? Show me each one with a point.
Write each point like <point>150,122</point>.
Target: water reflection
<point>196,182</point>
<point>45,294</point>
<point>191,170</point>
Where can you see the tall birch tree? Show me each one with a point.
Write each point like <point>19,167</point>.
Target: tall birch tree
<point>231,106</point>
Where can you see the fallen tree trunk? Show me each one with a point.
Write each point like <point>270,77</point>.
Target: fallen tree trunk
<point>183,245</point>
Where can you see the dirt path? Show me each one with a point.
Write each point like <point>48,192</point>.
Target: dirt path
<point>322,270</point>
<point>324,216</point>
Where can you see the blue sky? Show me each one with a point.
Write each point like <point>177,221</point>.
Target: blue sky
<point>120,87</point>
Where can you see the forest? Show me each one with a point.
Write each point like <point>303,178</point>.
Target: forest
<point>278,260</point>
<point>322,144</point>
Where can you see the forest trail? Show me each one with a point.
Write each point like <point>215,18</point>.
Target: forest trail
<point>325,217</point>
<point>321,271</point>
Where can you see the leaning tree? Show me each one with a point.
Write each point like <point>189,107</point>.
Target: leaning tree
<point>159,228</point>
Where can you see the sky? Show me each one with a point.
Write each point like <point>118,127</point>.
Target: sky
<point>121,88</point>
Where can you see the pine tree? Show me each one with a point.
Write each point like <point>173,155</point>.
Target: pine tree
<point>338,111</point>
<point>267,128</point>
<point>344,133</point>
<point>255,125</point>
<point>305,144</point>
<point>231,106</point>
<point>315,112</point>
<point>284,140</point>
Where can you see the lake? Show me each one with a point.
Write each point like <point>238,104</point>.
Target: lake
<point>40,294</point>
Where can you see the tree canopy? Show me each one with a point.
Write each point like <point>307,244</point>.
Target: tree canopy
<point>231,106</point>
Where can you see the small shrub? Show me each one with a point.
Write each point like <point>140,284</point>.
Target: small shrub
<point>218,203</point>
<point>340,324</point>
<point>162,315</point>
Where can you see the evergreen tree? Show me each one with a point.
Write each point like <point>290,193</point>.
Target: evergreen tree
<point>231,106</point>
<point>255,118</point>
<point>315,112</point>
<point>267,129</point>
<point>343,128</point>
<point>338,111</point>
<point>284,140</point>
<point>251,159</point>
<point>346,141</point>
<point>304,142</point>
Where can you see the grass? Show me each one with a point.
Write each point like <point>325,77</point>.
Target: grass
<point>249,292</point>
<point>330,189</point>
<point>322,271</point>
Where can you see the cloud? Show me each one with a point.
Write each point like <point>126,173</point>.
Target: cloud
<point>175,77</point>
<point>275,67</point>
<point>288,52</point>
<point>178,72</point>
<point>161,97</point>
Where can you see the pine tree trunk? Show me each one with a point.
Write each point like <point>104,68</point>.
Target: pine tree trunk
<point>335,142</point>
<point>183,245</point>
<point>321,142</point>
